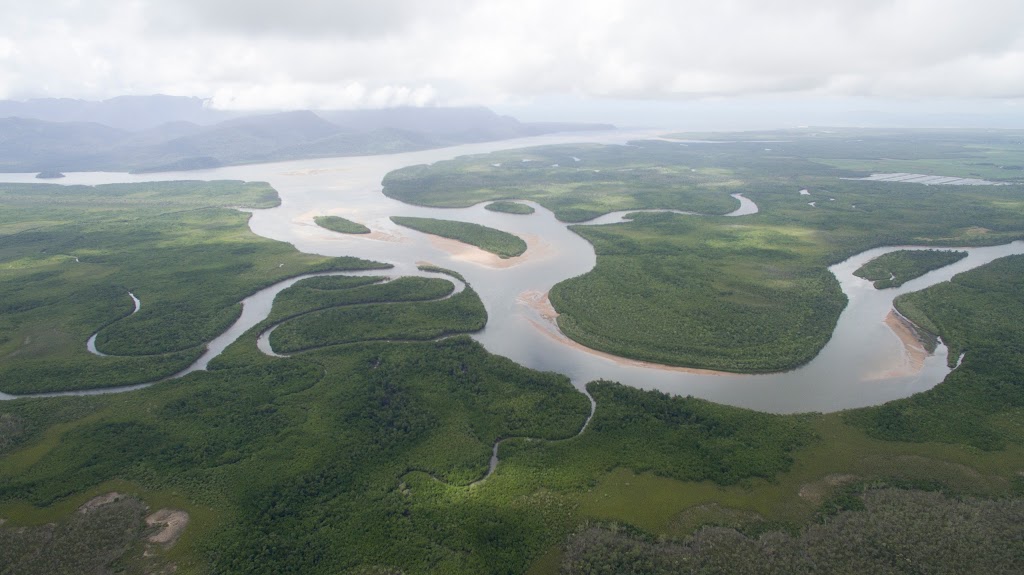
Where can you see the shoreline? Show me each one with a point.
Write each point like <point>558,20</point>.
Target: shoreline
<point>539,303</point>
<point>536,248</point>
<point>307,220</point>
<point>914,352</point>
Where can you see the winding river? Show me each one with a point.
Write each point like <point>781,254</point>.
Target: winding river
<point>864,363</point>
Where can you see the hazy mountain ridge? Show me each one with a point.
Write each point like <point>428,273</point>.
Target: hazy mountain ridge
<point>41,137</point>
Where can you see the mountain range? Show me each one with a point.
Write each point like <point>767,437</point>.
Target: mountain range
<point>165,133</point>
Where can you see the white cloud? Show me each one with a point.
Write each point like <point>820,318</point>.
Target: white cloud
<point>353,53</point>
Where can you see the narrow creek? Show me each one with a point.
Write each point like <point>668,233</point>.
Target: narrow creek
<point>864,363</point>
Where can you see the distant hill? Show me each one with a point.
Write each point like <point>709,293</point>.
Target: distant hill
<point>163,133</point>
<point>130,113</point>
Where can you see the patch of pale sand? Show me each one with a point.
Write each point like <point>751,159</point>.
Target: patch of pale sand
<point>914,353</point>
<point>171,523</point>
<point>536,248</point>
<point>383,237</point>
<point>305,220</point>
<point>99,501</point>
<point>539,303</point>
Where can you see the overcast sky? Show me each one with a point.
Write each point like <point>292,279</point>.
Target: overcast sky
<point>568,55</point>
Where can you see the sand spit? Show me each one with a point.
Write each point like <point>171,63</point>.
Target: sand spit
<point>538,301</point>
<point>914,352</point>
<point>535,249</point>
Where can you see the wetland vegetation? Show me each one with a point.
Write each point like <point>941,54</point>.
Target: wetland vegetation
<point>499,243</point>
<point>358,455</point>
<point>741,295</point>
<point>510,208</point>
<point>896,268</point>
<point>340,225</point>
<point>70,255</point>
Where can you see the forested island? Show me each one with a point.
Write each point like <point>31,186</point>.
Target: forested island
<point>510,208</point>
<point>499,243</point>
<point>896,268</point>
<point>340,225</point>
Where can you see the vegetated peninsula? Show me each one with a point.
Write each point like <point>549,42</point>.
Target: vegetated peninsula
<point>896,268</point>
<point>576,182</point>
<point>733,294</point>
<point>340,225</point>
<point>71,255</point>
<point>502,244</point>
<point>510,208</point>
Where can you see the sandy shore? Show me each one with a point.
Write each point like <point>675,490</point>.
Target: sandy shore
<point>914,352</point>
<point>547,325</point>
<point>538,301</point>
<point>535,249</point>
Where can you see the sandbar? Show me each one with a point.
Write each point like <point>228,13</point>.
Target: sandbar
<point>536,248</point>
<point>914,352</point>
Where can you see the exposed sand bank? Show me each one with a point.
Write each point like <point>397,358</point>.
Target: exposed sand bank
<point>538,301</point>
<point>535,249</point>
<point>914,352</point>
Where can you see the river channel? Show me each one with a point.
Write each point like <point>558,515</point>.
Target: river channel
<point>864,363</point>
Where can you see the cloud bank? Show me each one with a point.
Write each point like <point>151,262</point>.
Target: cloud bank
<point>351,54</point>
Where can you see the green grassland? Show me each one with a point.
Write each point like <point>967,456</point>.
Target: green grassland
<point>340,225</point>
<point>510,208</point>
<point>70,255</point>
<point>896,268</point>
<point>499,243</point>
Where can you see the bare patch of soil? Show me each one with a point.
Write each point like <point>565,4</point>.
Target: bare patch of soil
<point>99,501</point>
<point>535,249</point>
<point>170,523</point>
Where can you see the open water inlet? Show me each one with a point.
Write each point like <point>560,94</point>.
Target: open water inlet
<point>854,369</point>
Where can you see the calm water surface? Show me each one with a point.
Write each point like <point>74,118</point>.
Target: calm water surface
<point>856,368</point>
